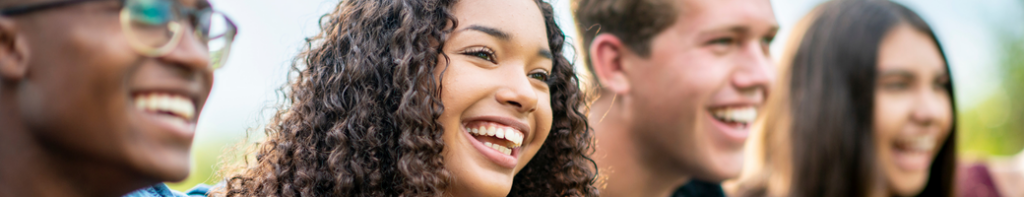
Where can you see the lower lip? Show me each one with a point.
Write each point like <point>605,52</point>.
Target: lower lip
<point>503,160</point>
<point>729,132</point>
<point>186,131</point>
<point>911,160</point>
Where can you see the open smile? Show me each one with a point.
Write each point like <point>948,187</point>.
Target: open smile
<point>499,142</point>
<point>734,121</point>
<point>173,111</point>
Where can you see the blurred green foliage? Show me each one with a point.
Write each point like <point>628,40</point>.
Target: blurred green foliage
<point>996,126</point>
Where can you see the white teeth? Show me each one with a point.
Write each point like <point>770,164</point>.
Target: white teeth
<point>924,143</point>
<point>499,148</point>
<point>180,106</point>
<point>744,115</point>
<point>500,132</point>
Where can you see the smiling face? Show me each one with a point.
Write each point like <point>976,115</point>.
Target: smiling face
<point>88,93</point>
<point>497,108</point>
<point>696,94</point>
<point>913,109</point>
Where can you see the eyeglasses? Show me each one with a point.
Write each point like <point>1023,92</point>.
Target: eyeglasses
<point>155,27</point>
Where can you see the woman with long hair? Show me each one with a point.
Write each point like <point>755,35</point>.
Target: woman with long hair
<point>428,98</point>
<point>864,107</point>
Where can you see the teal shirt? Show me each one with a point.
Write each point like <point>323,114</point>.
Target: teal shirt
<point>161,190</point>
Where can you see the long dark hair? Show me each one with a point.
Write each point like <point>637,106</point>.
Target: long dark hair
<point>364,105</point>
<point>832,89</point>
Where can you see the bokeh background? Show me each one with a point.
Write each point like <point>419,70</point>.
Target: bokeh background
<point>983,40</point>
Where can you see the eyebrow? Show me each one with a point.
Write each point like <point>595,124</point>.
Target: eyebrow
<point>491,31</point>
<point>505,37</point>
<point>546,53</point>
<point>741,29</point>
<point>896,72</point>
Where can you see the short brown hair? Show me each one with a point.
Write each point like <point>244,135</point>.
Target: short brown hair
<point>633,21</point>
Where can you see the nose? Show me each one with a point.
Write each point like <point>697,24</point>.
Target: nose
<point>189,56</point>
<point>518,94</point>
<point>930,106</point>
<point>755,72</point>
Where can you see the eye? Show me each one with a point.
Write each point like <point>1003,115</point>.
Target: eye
<point>539,75</point>
<point>721,45</point>
<point>483,53</point>
<point>895,85</point>
<point>766,42</point>
<point>721,41</point>
<point>942,83</point>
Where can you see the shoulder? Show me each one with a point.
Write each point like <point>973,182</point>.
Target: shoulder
<point>161,190</point>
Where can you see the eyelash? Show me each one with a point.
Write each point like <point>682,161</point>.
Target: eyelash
<point>544,76</point>
<point>722,40</point>
<point>487,54</point>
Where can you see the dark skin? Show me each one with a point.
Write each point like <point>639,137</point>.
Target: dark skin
<point>70,127</point>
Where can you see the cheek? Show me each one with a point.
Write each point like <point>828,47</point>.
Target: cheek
<point>678,87</point>
<point>77,92</point>
<point>945,114</point>
<point>543,117</point>
<point>891,113</point>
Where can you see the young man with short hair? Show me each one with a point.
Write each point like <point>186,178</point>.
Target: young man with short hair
<point>680,82</point>
<point>101,97</point>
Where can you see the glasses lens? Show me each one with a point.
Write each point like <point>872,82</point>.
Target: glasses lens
<point>220,32</point>
<point>151,22</point>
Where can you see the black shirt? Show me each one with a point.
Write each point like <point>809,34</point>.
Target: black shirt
<point>697,188</point>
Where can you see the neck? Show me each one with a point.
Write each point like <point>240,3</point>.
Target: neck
<point>31,167</point>
<point>626,171</point>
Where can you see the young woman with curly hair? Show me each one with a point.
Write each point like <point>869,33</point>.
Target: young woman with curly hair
<point>428,98</point>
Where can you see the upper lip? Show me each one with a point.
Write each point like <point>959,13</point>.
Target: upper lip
<point>511,122</point>
<point>736,104</point>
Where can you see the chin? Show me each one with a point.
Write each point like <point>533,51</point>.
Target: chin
<point>726,166</point>
<point>719,161</point>
<point>909,185</point>
<point>717,166</point>
<point>473,175</point>
<point>481,186</point>
<point>171,166</point>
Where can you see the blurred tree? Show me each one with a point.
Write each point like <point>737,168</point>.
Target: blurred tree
<point>996,126</point>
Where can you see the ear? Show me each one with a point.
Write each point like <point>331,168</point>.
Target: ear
<point>13,51</point>
<point>606,56</point>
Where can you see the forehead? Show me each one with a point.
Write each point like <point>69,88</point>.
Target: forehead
<point>904,46</point>
<point>709,14</point>
<point>522,19</point>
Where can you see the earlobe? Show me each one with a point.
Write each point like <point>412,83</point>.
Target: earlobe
<point>606,56</point>
<point>13,52</point>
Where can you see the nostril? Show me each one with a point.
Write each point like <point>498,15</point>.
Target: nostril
<point>517,104</point>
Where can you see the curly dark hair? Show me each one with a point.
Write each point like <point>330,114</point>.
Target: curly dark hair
<point>364,108</point>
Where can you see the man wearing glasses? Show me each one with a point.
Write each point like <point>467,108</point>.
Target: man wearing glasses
<point>101,97</point>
